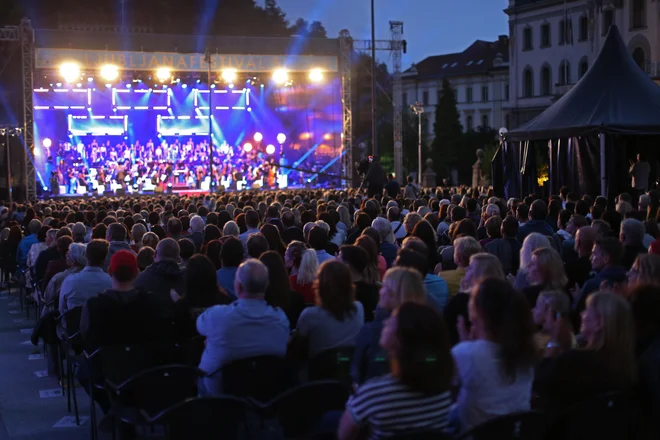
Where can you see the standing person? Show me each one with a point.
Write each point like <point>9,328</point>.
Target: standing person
<point>375,179</point>
<point>392,187</point>
<point>639,172</point>
<point>412,190</point>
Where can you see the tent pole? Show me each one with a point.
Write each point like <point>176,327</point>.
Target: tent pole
<point>603,189</point>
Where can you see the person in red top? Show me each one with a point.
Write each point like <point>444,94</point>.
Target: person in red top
<point>302,263</point>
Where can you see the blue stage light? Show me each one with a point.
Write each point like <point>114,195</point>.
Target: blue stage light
<point>59,84</point>
<point>213,86</point>
<point>90,79</point>
<point>128,86</point>
<point>199,81</point>
<point>185,86</point>
<point>231,86</point>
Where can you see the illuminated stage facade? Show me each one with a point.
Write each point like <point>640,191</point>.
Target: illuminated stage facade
<point>138,121</point>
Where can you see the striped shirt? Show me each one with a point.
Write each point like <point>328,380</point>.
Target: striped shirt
<point>389,407</point>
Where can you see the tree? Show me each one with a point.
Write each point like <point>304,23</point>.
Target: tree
<point>446,147</point>
<point>317,30</point>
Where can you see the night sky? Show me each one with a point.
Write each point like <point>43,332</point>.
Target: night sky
<point>431,27</point>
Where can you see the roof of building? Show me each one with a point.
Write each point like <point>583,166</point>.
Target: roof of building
<point>477,59</point>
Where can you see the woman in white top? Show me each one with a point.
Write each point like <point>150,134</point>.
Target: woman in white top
<point>495,361</point>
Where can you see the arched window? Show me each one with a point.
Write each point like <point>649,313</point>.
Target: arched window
<point>584,66</point>
<point>468,123</point>
<point>584,28</point>
<point>564,73</point>
<point>640,58</point>
<point>528,83</point>
<point>484,121</point>
<point>527,38</point>
<point>638,16</point>
<point>546,81</point>
<point>545,35</point>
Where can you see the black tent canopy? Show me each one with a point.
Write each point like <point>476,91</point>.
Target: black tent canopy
<point>615,99</point>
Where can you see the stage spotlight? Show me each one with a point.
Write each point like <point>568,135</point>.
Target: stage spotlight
<point>281,138</point>
<point>213,86</point>
<point>108,85</point>
<point>258,137</point>
<point>327,136</point>
<point>231,86</point>
<point>199,81</point>
<point>163,74</point>
<point>128,86</point>
<point>109,72</point>
<point>70,72</point>
<point>247,147</point>
<point>229,75</point>
<point>185,86</point>
<point>316,75</point>
<point>270,149</point>
<point>58,84</point>
<point>280,76</point>
<point>90,79</point>
<point>47,143</point>
<point>79,85</point>
<point>45,188</point>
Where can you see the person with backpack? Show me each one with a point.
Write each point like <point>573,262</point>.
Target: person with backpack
<point>412,190</point>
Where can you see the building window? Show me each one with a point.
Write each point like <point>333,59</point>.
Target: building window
<point>468,94</point>
<point>528,83</point>
<point>506,92</point>
<point>546,81</point>
<point>425,98</point>
<point>527,38</point>
<point>564,73</point>
<point>484,93</point>
<point>404,100</point>
<point>484,121</point>
<point>638,16</point>
<point>584,28</point>
<point>565,32</point>
<point>584,66</point>
<point>545,35</point>
<point>640,58</point>
<point>468,123</point>
<point>608,20</point>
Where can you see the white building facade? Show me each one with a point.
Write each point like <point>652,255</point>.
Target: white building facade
<point>553,43</point>
<point>480,78</point>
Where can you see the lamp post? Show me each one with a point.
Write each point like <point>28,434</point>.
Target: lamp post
<point>207,59</point>
<point>418,109</point>
<point>6,132</point>
<point>374,130</point>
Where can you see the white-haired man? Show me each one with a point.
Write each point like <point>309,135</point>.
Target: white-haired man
<point>387,247</point>
<point>197,232</point>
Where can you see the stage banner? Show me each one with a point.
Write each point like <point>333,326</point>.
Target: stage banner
<point>179,62</point>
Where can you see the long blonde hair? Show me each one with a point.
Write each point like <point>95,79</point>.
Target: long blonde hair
<point>648,269</point>
<point>486,266</point>
<point>551,268</point>
<point>304,260</point>
<point>404,285</point>
<point>531,243</point>
<point>616,341</point>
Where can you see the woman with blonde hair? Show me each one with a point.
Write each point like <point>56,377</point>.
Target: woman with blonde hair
<point>644,271</point>
<point>545,272</point>
<point>550,306</point>
<point>531,243</point>
<point>606,364</point>
<point>400,285</point>
<point>303,265</point>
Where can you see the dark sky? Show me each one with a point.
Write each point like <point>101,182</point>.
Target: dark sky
<point>431,27</point>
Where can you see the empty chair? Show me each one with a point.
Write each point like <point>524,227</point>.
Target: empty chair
<point>332,364</point>
<point>260,377</point>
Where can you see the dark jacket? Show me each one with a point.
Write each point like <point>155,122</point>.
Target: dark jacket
<point>630,254</point>
<point>198,239</point>
<point>613,274</point>
<point>388,251</point>
<point>368,295</point>
<point>578,271</point>
<point>43,259</point>
<point>53,268</point>
<point>369,358</point>
<point>540,226</point>
<point>507,250</point>
<point>158,279</point>
<point>291,234</point>
<point>116,246</point>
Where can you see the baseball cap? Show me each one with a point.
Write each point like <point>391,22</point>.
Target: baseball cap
<point>124,264</point>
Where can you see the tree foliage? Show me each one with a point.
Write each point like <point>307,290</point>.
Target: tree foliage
<point>446,146</point>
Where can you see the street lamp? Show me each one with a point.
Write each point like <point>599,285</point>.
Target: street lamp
<point>7,132</point>
<point>418,109</point>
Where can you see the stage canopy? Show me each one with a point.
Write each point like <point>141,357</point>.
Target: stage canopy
<point>615,96</point>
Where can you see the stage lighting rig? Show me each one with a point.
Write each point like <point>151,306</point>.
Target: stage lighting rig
<point>163,74</point>
<point>229,75</point>
<point>109,72</point>
<point>70,72</point>
<point>280,76</point>
<point>247,147</point>
<point>316,75</point>
<point>258,137</point>
<point>270,149</point>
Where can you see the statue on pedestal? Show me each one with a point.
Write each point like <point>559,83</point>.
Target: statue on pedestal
<point>478,175</point>
<point>429,175</point>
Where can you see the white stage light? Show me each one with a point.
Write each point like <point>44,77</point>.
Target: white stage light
<point>47,143</point>
<point>316,75</point>
<point>163,74</point>
<point>70,72</point>
<point>258,137</point>
<point>229,75</point>
<point>281,138</point>
<point>280,76</point>
<point>109,72</point>
<point>270,149</point>
<point>247,147</point>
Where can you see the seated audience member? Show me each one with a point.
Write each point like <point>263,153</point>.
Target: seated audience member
<point>116,236</point>
<point>550,306</point>
<point>416,395</point>
<point>463,249</point>
<point>137,234</point>
<point>336,319</point>
<point>545,272</point>
<point>631,237</point>
<point>493,228</point>
<point>212,250</point>
<point>507,248</point>
<point>376,266</point>
<point>366,293</point>
<point>49,254</point>
<point>318,240</point>
<point>58,265</point>
<point>246,328</point>
<point>303,265</point>
<point>607,363</point>
<point>361,221</point>
<point>150,240</point>
<point>145,258</point>
<point>272,235</point>
<point>401,284</point>
<point>230,229</point>
<point>197,233</point>
<point>201,292</point>
<point>79,232</point>
<point>279,293</point>
<point>538,213</point>
<point>89,282</point>
<point>252,224</point>
<point>425,232</point>
<point>291,232</point>
<point>435,287</point>
<point>578,271</point>
<point>463,228</point>
<point>388,248</point>
<point>256,245</point>
<point>231,256</point>
<point>162,276</point>
<point>532,242</point>
<point>45,239</point>
<point>605,261</point>
<point>394,217</point>
<point>495,361</point>
<point>76,261</point>
<point>186,250</point>
<point>644,271</point>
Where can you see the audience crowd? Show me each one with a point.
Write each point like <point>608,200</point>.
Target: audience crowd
<point>456,306</point>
